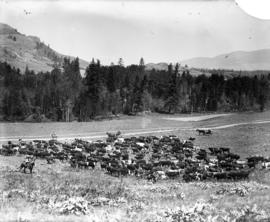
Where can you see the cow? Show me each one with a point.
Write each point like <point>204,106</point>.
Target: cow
<point>266,165</point>
<point>173,173</point>
<point>113,136</point>
<point>50,159</point>
<point>159,175</point>
<point>91,164</point>
<point>254,160</point>
<point>82,164</point>
<point>238,174</point>
<point>118,171</point>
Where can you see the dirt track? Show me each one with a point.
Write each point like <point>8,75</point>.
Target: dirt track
<point>102,134</point>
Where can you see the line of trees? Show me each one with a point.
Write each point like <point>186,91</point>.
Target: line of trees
<point>63,94</point>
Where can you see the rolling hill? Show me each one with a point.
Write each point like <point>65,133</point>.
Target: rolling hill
<point>20,51</point>
<point>164,66</point>
<point>239,60</point>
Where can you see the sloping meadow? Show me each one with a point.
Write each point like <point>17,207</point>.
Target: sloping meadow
<point>59,193</point>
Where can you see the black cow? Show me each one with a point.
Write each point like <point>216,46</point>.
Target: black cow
<point>239,174</point>
<point>118,171</point>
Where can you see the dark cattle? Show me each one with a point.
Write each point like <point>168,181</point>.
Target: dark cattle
<point>61,156</point>
<point>188,154</point>
<point>7,151</point>
<point>147,166</point>
<point>82,164</point>
<point>240,174</point>
<point>151,177</point>
<point>167,154</point>
<point>188,144</point>
<point>50,159</point>
<point>201,155</point>
<point>113,136</point>
<point>225,149</point>
<point>220,175</point>
<point>173,173</point>
<point>140,162</point>
<point>233,156</point>
<point>167,163</point>
<point>117,171</point>
<point>103,165</point>
<point>73,163</point>
<point>91,164</point>
<point>214,150</point>
<point>43,154</point>
<point>255,159</point>
<point>132,167</point>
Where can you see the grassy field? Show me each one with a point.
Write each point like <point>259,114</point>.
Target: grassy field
<point>59,193</point>
<point>49,194</point>
<point>62,129</point>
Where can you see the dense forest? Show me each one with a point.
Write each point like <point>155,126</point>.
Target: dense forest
<point>64,95</point>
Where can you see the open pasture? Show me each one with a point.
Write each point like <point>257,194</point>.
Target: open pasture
<point>246,133</point>
<point>54,190</point>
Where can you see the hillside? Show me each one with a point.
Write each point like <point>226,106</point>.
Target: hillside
<point>157,66</point>
<point>164,66</point>
<point>240,60</point>
<point>20,51</point>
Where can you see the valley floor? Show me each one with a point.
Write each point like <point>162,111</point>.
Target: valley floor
<point>57,192</point>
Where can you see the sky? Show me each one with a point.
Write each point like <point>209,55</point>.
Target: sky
<point>158,31</point>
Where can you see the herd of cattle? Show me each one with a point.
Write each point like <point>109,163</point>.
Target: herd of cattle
<point>148,157</point>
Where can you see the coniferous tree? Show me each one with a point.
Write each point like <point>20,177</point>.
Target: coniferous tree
<point>172,97</point>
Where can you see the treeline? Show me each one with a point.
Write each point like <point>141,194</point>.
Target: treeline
<point>63,95</point>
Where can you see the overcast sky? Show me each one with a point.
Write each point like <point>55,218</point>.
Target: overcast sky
<point>158,31</point>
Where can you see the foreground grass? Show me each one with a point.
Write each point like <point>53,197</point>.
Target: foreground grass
<point>44,195</point>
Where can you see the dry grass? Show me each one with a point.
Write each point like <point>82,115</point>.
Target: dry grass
<point>33,198</point>
<point>26,197</point>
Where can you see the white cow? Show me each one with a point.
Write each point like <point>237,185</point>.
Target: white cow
<point>78,149</point>
<point>140,144</point>
<point>266,165</point>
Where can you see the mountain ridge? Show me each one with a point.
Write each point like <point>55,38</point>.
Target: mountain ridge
<point>21,51</point>
<point>237,60</point>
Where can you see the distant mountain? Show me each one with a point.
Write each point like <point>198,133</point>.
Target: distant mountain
<point>157,66</point>
<point>240,60</point>
<point>164,66</point>
<point>20,51</point>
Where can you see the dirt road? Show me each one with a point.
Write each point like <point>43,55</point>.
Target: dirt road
<point>102,134</point>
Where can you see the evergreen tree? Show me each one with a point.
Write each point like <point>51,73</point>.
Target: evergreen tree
<point>137,96</point>
<point>111,85</point>
<point>172,97</point>
<point>121,62</point>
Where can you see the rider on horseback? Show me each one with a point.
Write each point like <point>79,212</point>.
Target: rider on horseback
<point>28,163</point>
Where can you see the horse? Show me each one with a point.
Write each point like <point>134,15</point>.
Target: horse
<point>200,131</point>
<point>27,165</point>
<point>204,132</point>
